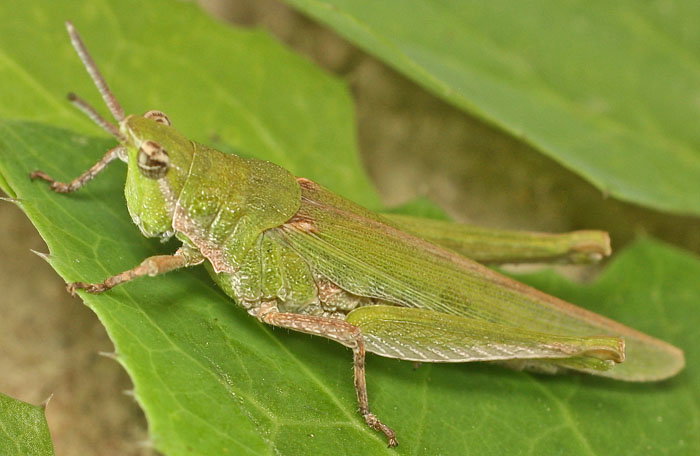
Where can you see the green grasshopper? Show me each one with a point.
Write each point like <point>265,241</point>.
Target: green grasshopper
<point>298,256</point>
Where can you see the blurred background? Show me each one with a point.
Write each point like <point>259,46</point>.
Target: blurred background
<point>412,144</point>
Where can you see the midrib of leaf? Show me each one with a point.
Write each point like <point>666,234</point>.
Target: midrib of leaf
<point>569,421</point>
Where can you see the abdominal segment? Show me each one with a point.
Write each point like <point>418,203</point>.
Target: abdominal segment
<point>273,272</point>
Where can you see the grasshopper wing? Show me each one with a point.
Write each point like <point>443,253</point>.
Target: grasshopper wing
<point>362,254</point>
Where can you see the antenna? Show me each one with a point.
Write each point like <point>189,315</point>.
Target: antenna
<point>95,116</point>
<point>112,103</point>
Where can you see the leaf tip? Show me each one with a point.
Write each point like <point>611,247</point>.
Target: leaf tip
<point>44,256</point>
<point>45,404</point>
<point>110,355</point>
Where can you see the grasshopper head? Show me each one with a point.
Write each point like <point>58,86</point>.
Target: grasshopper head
<point>155,151</point>
<point>157,155</point>
<point>158,159</point>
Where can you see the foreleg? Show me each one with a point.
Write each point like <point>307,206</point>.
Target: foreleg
<point>87,176</point>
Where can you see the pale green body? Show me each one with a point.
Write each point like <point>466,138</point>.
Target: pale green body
<point>270,238</point>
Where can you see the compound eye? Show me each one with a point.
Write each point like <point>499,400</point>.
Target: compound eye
<point>153,160</point>
<point>158,116</point>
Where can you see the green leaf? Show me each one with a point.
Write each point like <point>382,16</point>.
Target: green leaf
<point>608,89</point>
<point>23,429</point>
<point>422,207</point>
<point>210,378</point>
<point>216,83</point>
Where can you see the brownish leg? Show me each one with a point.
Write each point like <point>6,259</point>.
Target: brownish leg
<point>151,266</point>
<point>84,178</point>
<point>344,333</point>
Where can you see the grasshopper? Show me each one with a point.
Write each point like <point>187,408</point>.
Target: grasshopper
<point>297,256</point>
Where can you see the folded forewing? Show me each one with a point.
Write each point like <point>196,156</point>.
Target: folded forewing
<point>367,257</point>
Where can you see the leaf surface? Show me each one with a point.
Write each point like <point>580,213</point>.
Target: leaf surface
<point>608,89</point>
<point>212,380</point>
<point>23,429</point>
<point>218,84</point>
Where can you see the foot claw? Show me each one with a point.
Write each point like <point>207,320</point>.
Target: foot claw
<point>93,288</point>
<point>73,287</point>
<point>58,187</point>
<point>36,174</point>
<point>373,422</point>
